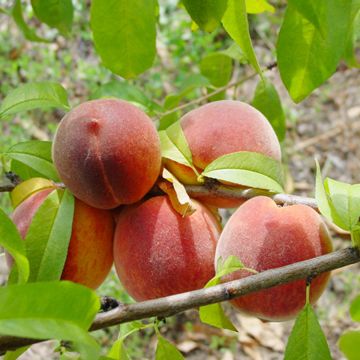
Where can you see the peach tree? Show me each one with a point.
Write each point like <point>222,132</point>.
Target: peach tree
<point>139,181</point>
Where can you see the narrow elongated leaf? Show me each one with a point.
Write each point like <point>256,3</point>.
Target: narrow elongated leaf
<point>11,241</point>
<point>206,13</point>
<point>32,96</point>
<point>178,196</point>
<point>321,195</point>
<point>217,68</point>
<point>174,145</point>
<point>165,350</point>
<point>55,13</point>
<point>355,309</point>
<point>339,202</point>
<point>18,17</point>
<point>124,34</point>
<point>55,310</point>
<point>26,188</point>
<point>306,61</point>
<point>53,259</point>
<point>349,345</point>
<point>267,100</point>
<point>307,340</point>
<point>353,37</point>
<point>247,169</point>
<point>118,351</point>
<point>35,155</point>
<point>170,151</point>
<point>213,314</point>
<point>258,6</point>
<point>48,237</point>
<point>236,25</point>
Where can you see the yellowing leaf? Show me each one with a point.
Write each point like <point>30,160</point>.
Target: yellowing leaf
<point>176,191</point>
<point>27,188</point>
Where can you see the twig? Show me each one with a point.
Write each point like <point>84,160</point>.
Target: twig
<point>175,304</point>
<point>217,91</point>
<point>228,192</point>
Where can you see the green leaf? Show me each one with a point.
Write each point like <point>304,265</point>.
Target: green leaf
<point>174,145</point>
<point>353,36</point>
<point>13,355</point>
<point>236,25</point>
<point>36,155</point>
<point>50,310</point>
<point>355,309</point>
<point>11,241</point>
<point>345,203</point>
<point>124,90</point>
<point>307,8</point>
<point>124,34</point>
<point>213,314</point>
<point>349,344</point>
<point>55,13</point>
<point>258,6</point>
<point>18,17</point>
<point>165,350</point>
<point>306,61</point>
<point>338,193</point>
<point>4,11</point>
<point>267,100</point>
<point>207,14</point>
<point>48,237</point>
<point>32,96</point>
<point>307,340</point>
<point>190,84</point>
<point>118,351</point>
<point>321,195</point>
<point>217,68</point>
<point>234,51</point>
<point>247,169</point>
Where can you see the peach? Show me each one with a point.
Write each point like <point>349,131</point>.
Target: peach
<point>157,252</point>
<point>220,128</point>
<point>90,255</point>
<point>264,236</point>
<point>107,152</point>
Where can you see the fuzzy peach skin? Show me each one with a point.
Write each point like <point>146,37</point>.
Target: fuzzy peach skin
<point>107,152</point>
<point>220,128</point>
<point>264,236</point>
<point>90,255</point>
<point>157,252</point>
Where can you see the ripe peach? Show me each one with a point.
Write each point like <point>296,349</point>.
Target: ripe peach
<point>157,252</point>
<point>220,128</point>
<point>90,256</point>
<point>107,152</point>
<point>264,236</point>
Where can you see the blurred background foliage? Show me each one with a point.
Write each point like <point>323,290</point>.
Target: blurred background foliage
<point>177,77</point>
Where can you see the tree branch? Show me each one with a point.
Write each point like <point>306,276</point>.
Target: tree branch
<point>229,192</point>
<point>217,91</point>
<point>174,304</point>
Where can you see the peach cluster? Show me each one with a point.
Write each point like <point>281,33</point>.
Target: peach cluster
<point>107,153</point>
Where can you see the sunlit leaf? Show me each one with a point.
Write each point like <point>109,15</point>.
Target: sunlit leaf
<point>207,14</point>
<point>236,25</point>
<point>124,34</point>
<point>307,340</point>
<point>37,95</point>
